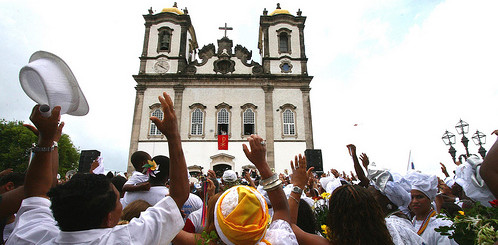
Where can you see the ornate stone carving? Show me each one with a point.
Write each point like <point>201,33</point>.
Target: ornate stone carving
<point>197,105</point>
<point>224,65</point>
<point>223,105</point>
<point>206,53</point>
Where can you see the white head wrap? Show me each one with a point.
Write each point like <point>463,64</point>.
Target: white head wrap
<point>426,184</point>
<point>229,175</point>
<point>383,181</point>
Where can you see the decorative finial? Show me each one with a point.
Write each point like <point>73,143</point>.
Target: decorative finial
<point>299,12</point>
<point>185,10</point>
<point>150,11</point>
<point>265,12</point>
<point>278,5</point>
<point>174,5</point>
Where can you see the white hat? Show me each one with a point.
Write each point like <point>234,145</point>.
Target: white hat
<point>229,175</point>
<point>48,80</point>
<point>426,184</point>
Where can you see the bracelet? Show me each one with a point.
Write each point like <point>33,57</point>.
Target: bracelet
<point>44,149</point>
<point>294,199</point>
<point>269,180</point>
<point>272,186</point>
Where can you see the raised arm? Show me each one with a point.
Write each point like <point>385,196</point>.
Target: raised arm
<point>271,183</point>
<point>42,172</point>
<point>489,168</point>
<point>179,185</point>
<point>299,177</point>
<point>359,171</point>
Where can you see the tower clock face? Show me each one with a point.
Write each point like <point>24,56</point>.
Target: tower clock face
<point>161,66</point>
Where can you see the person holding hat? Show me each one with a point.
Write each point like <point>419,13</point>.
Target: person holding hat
<point>423,192</point>
<point>86,209</point>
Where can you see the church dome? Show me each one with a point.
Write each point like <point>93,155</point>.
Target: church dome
<point>173,9</point>
<point>280,11</point>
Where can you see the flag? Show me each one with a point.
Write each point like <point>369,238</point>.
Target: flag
<point>222,142</point>
<point>410,162</point>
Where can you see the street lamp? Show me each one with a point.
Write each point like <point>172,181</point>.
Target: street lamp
<point>463,128</point>
<point>449,139</point>
<point>479,139</point>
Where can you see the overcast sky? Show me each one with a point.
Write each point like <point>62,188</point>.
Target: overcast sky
<point>402,71</point>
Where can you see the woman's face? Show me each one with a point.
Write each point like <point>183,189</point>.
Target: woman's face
<point>420,203</point>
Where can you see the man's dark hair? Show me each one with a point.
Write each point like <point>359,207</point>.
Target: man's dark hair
<point>305,217</point>
<point>16,178</point>
<point>163,175</point>
<point>83,202</point>
<point>118,182</point>
<point>137,159</point>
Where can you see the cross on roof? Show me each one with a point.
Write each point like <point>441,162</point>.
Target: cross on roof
<point>226,28</point>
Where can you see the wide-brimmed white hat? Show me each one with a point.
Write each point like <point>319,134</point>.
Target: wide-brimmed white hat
<point>48,80</point>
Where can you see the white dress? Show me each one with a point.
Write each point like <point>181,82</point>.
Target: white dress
<point>431,236</point>
<point>280,233</point>
<point>402,231</point>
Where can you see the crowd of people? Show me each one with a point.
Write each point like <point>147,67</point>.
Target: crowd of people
<point>160,203</point>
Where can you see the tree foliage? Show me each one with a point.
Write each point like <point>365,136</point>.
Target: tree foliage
<point>15,144</point>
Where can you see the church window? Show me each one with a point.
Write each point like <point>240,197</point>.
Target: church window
<point>248,119</point>
<point>164,40</point>
<point>197,122</point>
<point>288,117</point>
<point>289,126</point>
<point>283,43</point>
<point>223,122</point>
<point>153,128</point>
<point>223,115</point>
<point>248,122</point>
<point>197,115</point>
<point>284,40</point>
<point>285,66</point>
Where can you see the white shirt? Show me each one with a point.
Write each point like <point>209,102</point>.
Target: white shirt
<point>431,236</point>
<point>196,219</point>
<point>36,225</point>
<point>280,233</point>
<point>152,196</point>
<point>402,231</point>
<point>193,203</point>
<point>137,178</point>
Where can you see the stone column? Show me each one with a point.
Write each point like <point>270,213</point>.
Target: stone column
<point>270,138</point>
<point>308,126</point>
<point>178,104</point>
<point>137,121</point>
<point>143,61</point>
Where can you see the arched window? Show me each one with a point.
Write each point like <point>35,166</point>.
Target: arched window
<point>248,119</point>
<point>153,129</point>
<point>223,121</point>
<point>289,123</point>
<point>283,41</point>
<point>197,120</point>
<point>164,39</point>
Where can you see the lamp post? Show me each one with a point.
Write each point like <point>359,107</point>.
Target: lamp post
<point>479,139</point>
<point>462,128</point>
<point>449,139</point>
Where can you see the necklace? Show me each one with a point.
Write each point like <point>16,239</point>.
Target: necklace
<point>426,222</point>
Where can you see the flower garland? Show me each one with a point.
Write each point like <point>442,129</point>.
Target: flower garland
<point>477,225</point>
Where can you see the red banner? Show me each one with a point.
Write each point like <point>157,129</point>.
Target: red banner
<point>222,142</point>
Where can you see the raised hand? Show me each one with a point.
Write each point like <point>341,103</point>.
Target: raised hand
<point>48,128</point>
<point>334,172</point>
<point>169,125</point>
<point>299,175</point>
<point>364,160</point>
<point>257,152</point>
<point>351,149</point>
<point>443,169</point>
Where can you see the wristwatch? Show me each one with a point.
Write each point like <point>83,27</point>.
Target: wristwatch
<point>44,149</point>
<point>297,190</point>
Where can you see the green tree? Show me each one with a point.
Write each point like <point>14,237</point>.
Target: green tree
<point>15,144</point>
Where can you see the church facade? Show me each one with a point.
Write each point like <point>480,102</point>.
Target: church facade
<point>219,90</point>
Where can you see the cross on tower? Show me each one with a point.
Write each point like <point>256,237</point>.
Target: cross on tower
<point>226,28</point>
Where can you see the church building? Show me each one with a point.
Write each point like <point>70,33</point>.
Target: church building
<point>220,95</point>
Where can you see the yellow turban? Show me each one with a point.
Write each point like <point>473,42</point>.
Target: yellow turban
<point>241,216</point>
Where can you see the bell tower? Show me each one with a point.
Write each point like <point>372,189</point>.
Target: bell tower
<point>281,42</point>
<point>169,43</point>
